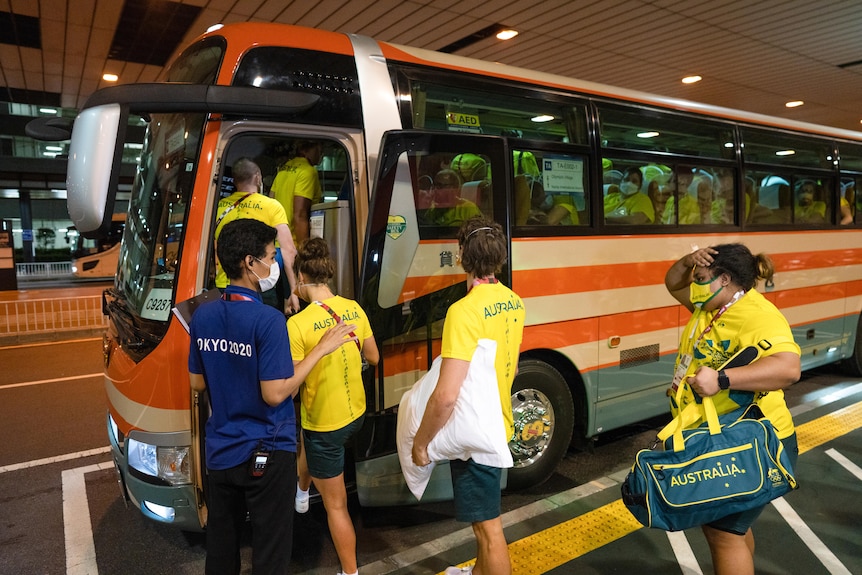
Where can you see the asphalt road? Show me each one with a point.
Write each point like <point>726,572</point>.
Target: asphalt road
<point>54,450</point>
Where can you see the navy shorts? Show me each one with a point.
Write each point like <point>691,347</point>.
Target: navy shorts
<point>476,488</point>
<point>740,523</point>
<point>324,450</point>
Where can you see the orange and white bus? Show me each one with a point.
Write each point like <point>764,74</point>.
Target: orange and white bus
<point>546,156</point>
<point>97,257</point>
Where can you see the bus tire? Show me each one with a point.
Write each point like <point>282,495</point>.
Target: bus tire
<point>853,365</point>
<point>544,417</point>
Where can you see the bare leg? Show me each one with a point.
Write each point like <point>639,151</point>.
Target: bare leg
<point>731,554</point>
<point>304,480</point>
<point>492,551</point>
<point>340,525</point>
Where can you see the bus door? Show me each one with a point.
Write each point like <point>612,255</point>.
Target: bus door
<point>428,185</point>
<point>333,218</point>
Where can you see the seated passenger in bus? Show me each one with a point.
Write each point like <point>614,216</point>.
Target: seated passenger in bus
<point>660,193</point>
<point>551,209</point>
<point>807,209</point>
<point>723,205</point>
<point>755,212</point>
<point>629,205</point>
<point>695,206</point>
<point>848,201</point>
<point>447,207</point>
<point>656,178</point>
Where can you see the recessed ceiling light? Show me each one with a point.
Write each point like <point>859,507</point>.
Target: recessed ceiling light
<point>542,118</point>
<point>691,79</point>
<point>785,152</point>
<point>647,134</point>
<point>110,77</point>
<point>506,34</point>
<point>794,103</point>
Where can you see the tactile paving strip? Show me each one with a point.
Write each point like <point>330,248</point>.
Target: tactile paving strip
<point>828,427</point>
<point>555,546</point>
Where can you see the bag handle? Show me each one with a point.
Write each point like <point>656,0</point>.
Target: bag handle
<point>703,410</point>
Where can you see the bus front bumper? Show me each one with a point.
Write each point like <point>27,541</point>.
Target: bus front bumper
<point>171,504</point>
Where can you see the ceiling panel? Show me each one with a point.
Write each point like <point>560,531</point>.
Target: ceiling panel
<point>752,55</point>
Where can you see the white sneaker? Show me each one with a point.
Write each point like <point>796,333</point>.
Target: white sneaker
<point>300,503</point>
<point>458,570</point>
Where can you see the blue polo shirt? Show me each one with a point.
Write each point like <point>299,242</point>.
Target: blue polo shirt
<point>236,342</point>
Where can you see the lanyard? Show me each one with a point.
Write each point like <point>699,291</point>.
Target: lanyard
<point>236,297</point>
<point>718,314</point>
<point>485,280</point>
<point>338,320</point>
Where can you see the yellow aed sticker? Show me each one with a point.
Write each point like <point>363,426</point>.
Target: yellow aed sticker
<point>464,122</point>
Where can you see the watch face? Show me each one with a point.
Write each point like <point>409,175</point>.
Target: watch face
<point>723,381</point>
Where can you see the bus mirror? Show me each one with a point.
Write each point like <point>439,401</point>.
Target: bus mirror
<point>92,176</point>
<point>49,129</point>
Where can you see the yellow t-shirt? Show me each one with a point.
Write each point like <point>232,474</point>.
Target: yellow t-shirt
<point>332,395</point>
<point>256,207</point>
<point>752,320</point>
<point>453,216</point>
<point>296,178</point>
<point>488,311</point>
<point>617,205</point>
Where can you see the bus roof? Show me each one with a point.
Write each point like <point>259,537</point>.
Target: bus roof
<point>441,60</point>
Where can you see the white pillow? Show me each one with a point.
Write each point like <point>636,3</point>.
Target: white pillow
<point>474,430</point>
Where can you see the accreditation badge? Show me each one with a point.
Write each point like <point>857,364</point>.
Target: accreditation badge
<point>681,370</point>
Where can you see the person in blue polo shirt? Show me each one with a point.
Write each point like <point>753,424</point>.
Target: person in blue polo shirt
<point>240,352</point>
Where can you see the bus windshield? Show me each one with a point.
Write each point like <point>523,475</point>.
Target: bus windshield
<point>149,256</point>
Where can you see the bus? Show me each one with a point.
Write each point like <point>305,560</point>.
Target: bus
<point>97,257</point>
<point>544,155</point>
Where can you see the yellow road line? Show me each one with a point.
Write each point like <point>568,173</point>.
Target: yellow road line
<point>557,545</point>
<point>828,427</point>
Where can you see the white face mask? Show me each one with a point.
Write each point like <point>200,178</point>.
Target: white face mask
<point>628,188</point>
<point>269,281</point>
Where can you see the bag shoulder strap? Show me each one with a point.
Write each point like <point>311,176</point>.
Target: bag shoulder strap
<point>338,320</point>
<point>235,204</point>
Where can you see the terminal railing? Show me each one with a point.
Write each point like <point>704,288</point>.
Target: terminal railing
<point>39,270</point>
<point>41,316</point>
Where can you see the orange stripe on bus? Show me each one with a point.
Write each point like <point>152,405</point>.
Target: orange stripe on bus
<point>579,279</point>
<point>807,295</point>
<point>816,260</point>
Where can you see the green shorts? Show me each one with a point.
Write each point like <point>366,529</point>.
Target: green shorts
<point>324,450</point>
<point>739,523</point>
<point>476,488</point>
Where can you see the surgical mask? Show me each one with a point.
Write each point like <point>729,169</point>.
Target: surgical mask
<point>699,292</point>
<point>628,188</point>
<point>269,281</point>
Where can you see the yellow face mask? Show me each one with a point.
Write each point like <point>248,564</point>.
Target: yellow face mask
<point>699,292</point>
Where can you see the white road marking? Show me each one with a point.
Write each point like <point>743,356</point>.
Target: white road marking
<point>78,529</point>
<point>684,554</point>
<point>829,560</point>
<point>43,381</point>
<point>845,463</point>
<point>56,459</point>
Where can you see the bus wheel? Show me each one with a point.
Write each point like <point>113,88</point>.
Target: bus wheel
<point>543,415</point>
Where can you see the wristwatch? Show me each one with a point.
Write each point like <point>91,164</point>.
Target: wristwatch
<point>723,380</point>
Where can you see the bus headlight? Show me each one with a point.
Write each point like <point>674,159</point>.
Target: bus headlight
<point>170,464</point>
